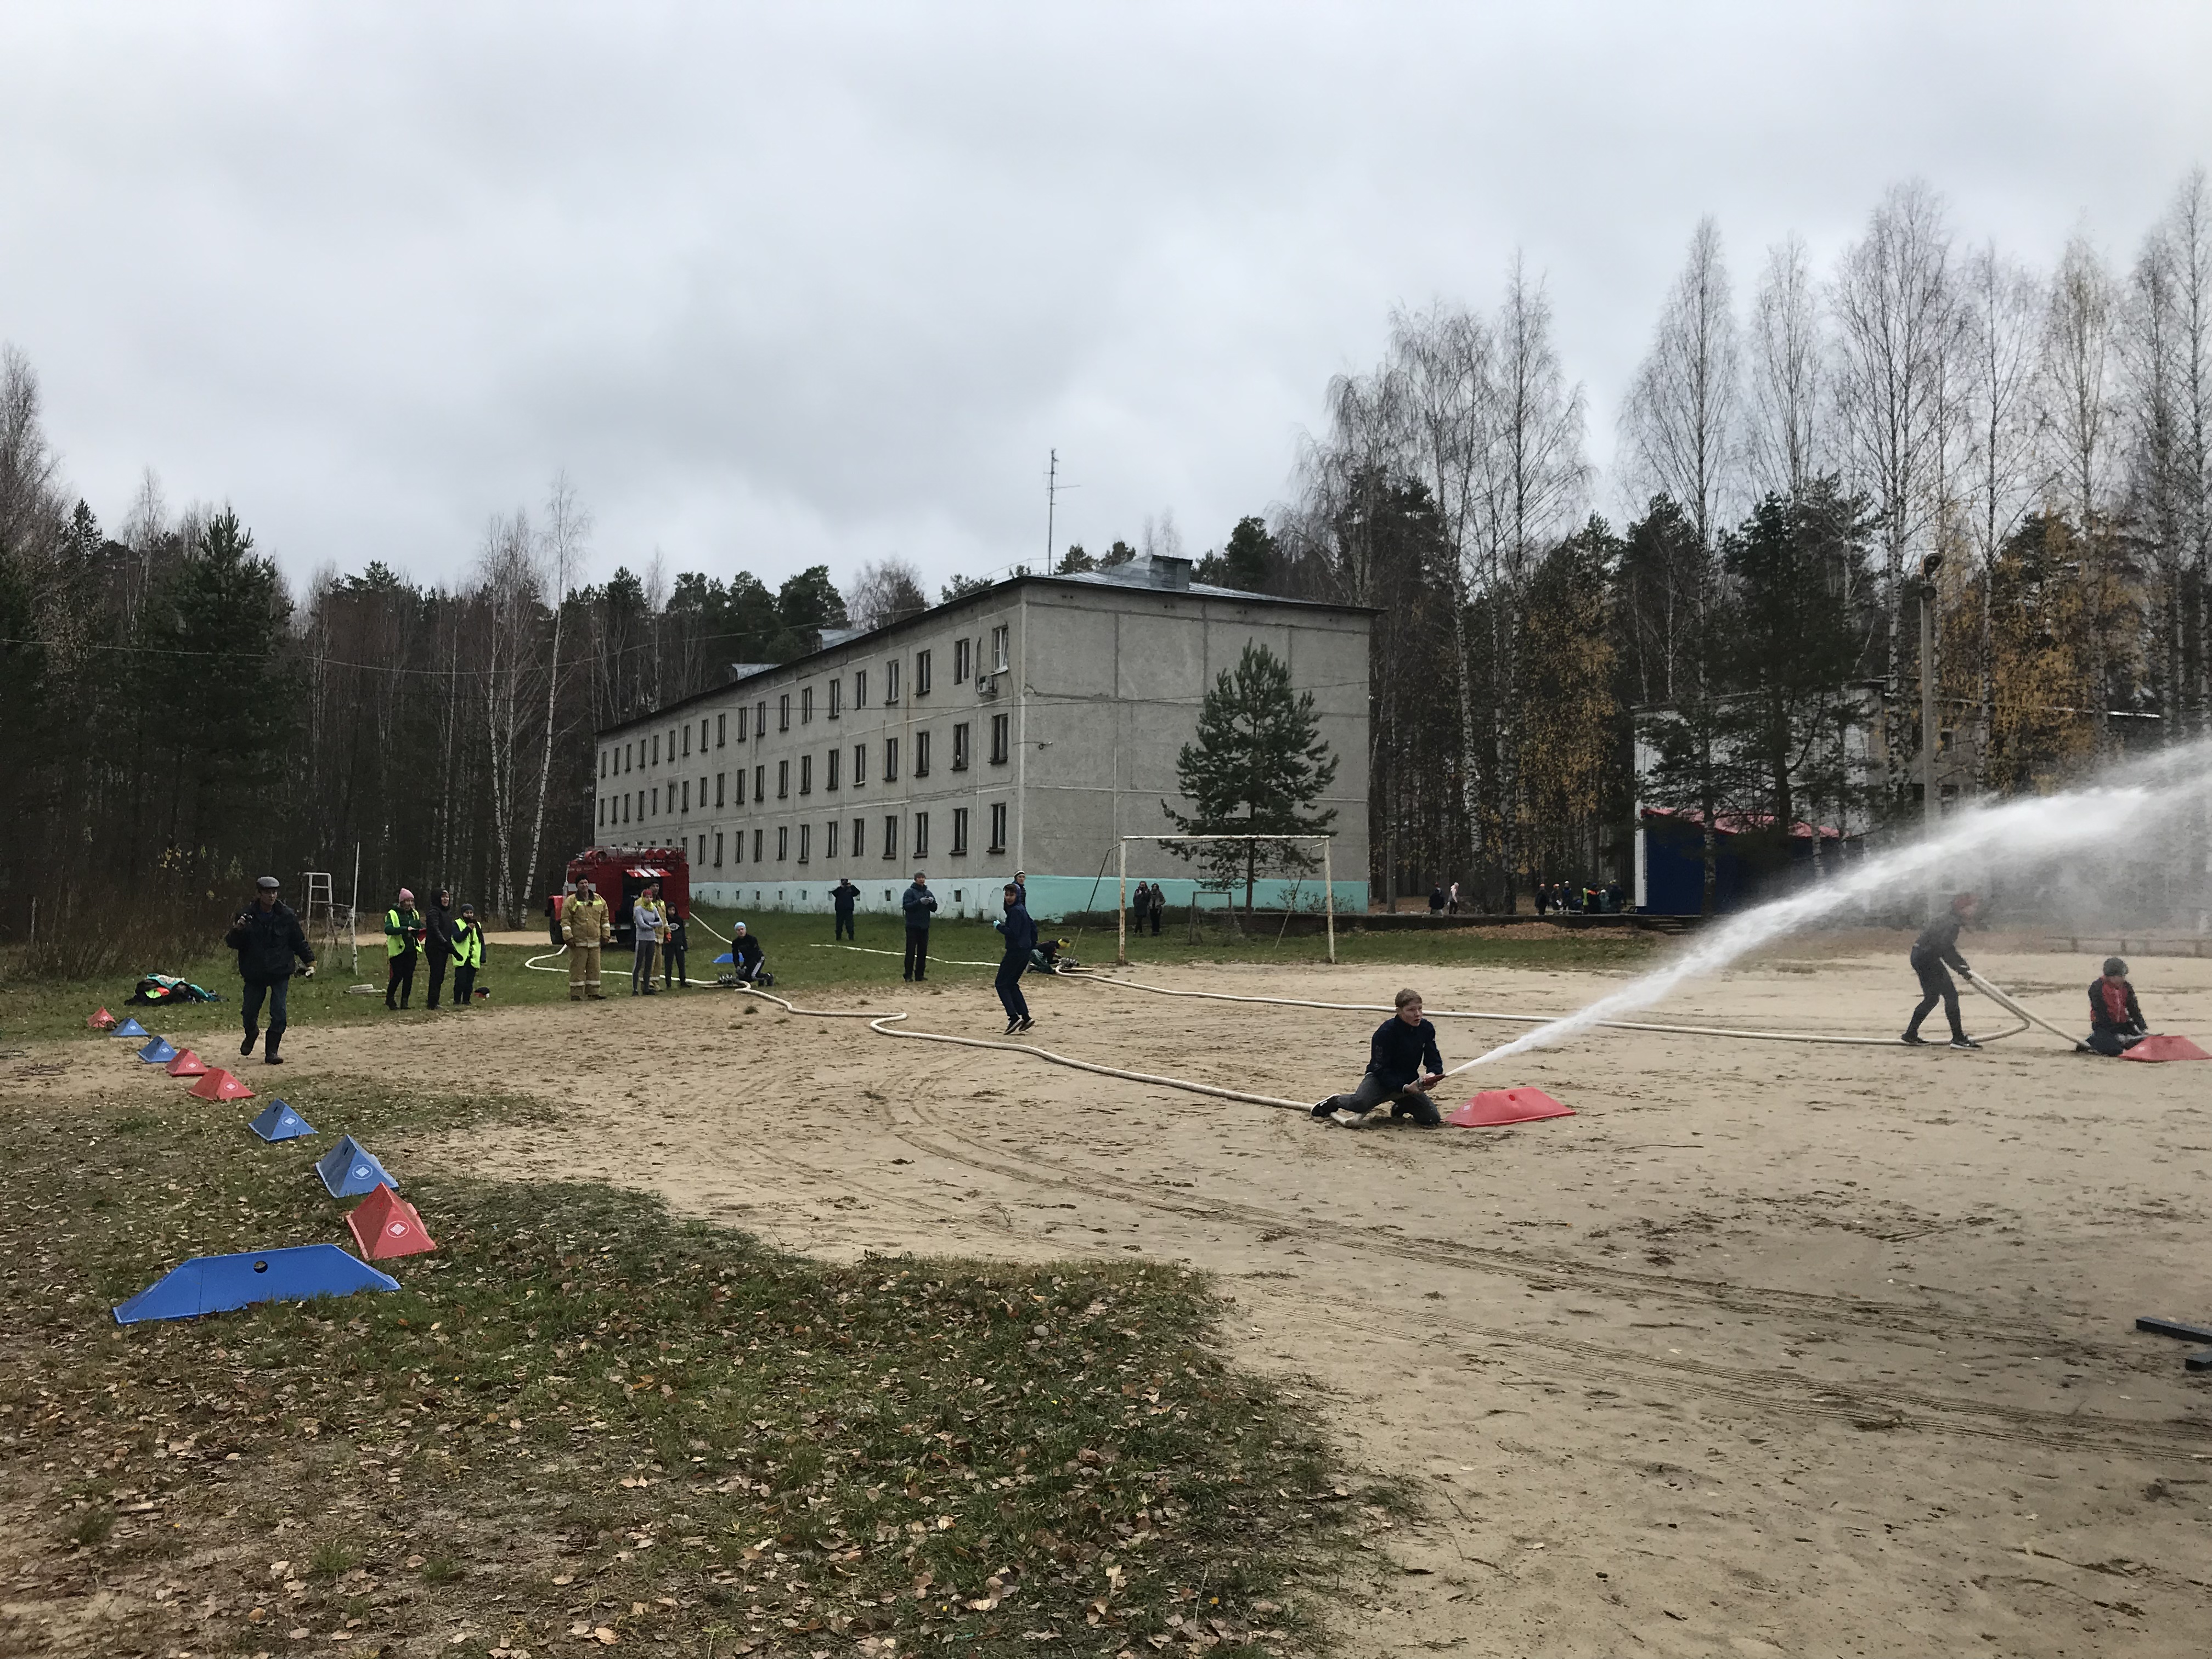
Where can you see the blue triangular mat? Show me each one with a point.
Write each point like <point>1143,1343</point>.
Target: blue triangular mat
<point>219,1284</point>
<point>129,1028</point>
<point>280,1123</point>
<point>159,1052</point>
<point>725,957</point>
<point>350,1169</point>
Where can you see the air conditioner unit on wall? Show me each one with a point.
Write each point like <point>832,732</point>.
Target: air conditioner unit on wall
<point>987,685</point>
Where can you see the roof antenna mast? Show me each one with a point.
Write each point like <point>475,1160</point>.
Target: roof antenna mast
<point>1052,489</point>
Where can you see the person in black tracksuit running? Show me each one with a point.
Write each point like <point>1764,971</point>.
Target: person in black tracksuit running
<point>1403,1044</point>
<point>1934,953</point>
<point>1021,939</point>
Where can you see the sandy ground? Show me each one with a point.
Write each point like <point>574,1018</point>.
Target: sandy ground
<point>1772,1348</point>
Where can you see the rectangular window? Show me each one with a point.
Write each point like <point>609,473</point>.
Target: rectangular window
<point>603,763</point>
<point>760,717</point>
<point>890,682</point>
<point>921,673</point>
<point>671,743</point>
<point>805,841</point>
<point>890,835</point>
<point>960,747</point>
<point>718,850</point>
<point>920,750</point>
<point>704,723</point>
<point>860,764</point>
<point>998,827</point>
<point>999,660</point>
<point>806,708</point>
<point>687,738</point>
<point>603,813</point>
<point>741,786</point>
<point>1000,729</point>
<point>959,832</point>
<point>702,796</point>
<point>860,688</point>
<point>836,697</point>
<point>742,714</point>
<point>625,809</point>
<point>807,775</point>
<point>656,749</point>
<point>962,660</point>
<point>783,780</point>
<point>718,784</point>
<point>859,837</point>
<point>782,843</point>
<point>921,834</point>
<point>656,803</point>
<point>832,761</point>
<point>890,760</point>
<point>783,712</point>
<point>760,784</point>
<point>757,847</point>
<point>829,840</point>
<point>721,731</point>
<point>687,788</point>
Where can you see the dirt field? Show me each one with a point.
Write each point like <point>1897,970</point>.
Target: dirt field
<point>1774,1348</point>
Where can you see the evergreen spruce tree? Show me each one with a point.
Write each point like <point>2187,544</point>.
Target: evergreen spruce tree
<point>1259,764</point>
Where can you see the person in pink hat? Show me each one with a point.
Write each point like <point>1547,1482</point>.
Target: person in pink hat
<point>403,945</point>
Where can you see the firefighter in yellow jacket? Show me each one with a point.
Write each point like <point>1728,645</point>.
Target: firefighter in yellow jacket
<point>585,928</point>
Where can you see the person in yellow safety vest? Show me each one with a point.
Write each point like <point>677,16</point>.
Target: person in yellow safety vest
<point>402,942</point>
<point>585,928</point>
<point>646,920</point>
<point>468,957</point>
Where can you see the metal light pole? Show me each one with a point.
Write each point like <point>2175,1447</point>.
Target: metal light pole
<point>1929,567</point>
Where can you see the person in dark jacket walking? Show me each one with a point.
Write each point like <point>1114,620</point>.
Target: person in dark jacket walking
<point>1934,953</point>
<point>842,896</point>
<point>267,937</point>
<point>919,904</point>
<point>675,943</point>
<point>438,940</point>
<point>2116,1021</point>
<point>1021,939</point>
<point>1401,1046</point>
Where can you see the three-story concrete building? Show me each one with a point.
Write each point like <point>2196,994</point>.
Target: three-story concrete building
<point>1026,727</point>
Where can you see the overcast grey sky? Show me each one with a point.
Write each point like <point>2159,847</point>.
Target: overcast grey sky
<point>798,284</point>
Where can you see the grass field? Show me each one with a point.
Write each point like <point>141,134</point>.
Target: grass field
<point>38,1009</point>
<point>586,1423</point>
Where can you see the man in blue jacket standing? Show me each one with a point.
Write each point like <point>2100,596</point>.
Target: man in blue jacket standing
<point>919,903</point>
<point>1021,939</point>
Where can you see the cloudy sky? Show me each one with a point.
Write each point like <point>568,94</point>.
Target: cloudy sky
<point>796,284</point>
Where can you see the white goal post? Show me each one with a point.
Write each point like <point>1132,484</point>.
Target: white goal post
<point>1121,909</point>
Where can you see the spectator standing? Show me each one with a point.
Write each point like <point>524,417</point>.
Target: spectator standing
<point>468,955</point>
<point>402,942</point>
<point>919,904</point>
<point>438,940</point>
<point>675,945</point>
<point>842,896</point>
<point>645,938</point>
<point>586,927</point>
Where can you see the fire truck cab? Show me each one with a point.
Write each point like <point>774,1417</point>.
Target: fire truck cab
<point>619,874</point>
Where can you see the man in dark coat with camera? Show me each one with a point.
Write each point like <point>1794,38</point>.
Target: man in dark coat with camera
<point>267,937</point>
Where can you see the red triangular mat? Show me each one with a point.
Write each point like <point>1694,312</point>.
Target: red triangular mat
<point>386,1225</point>
<point>2159,1046</point>
<point>1494,1108</point>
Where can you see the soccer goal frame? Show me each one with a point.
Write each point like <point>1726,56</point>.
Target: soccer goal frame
<point>1121,909</point>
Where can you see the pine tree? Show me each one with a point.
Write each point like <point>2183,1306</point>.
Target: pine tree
<point>1259,764</point>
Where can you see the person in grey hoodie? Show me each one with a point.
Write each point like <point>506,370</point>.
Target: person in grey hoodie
<point>919,904</point>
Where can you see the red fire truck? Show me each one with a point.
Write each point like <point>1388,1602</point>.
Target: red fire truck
<point>619,874</point>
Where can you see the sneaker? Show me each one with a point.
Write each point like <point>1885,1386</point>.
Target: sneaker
<point>1028,1023</point>
<point>1012,1026</point>
<point>1964,1043</point>
<point>1322,1108</point>
<point>246,1046</point>
<point>1913,1040</point>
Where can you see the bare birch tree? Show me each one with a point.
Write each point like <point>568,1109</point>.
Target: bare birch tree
<point>1681,415</point>
<point>2079,424</point>
<point>567,527</point>
<point>508,594</point>
<point>1785,441</point>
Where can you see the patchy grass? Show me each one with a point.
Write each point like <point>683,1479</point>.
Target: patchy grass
<point>585,1422</point>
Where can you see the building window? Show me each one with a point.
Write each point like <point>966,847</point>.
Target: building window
<point>959,831</point>
<point>962,660</point>
<point>742,713</point>
<point>625,800</point>
<point>687,788</point>
<point>829,840</point>
<point>999,660</point>
<point>836,697</point>
<point>960,747</point>
<point>656,749</point>
<point>921,834</point>
<point>656,803</point>
<point>805,706</point>
<point>671,742</point>
<point>832,761</point>
<point>860,764</point>
<point>721,731</point>
<point>920,750</point>
<point>760,784</point>
<point>998,827</point>
<point>704,723</point>
<point>760,717</point>
<point>718,850</point>
<point>890,835</point>
<point>603,763</point>
<point>921,673</point>
<point>703,835</point>
<point>805,841</point>
<point>890,682</point>
<point>602,812</point>
<point>783,712</point>
<point>687,739</point>
<point>782,843</point>
<point>783,780</point>
<point>860,688</point>
<point>741,786</point>
<point>757,847</point>
<point>807,775</point>
<point>1001,725</point>
<point>718,785</point>
<point>859,837</point>
<point>890,760</point>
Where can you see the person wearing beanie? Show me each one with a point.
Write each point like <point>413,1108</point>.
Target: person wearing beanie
<point>267,937</point>
<point>468,957</point>
<point>403,945</point>
<point>2116,1021</point>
